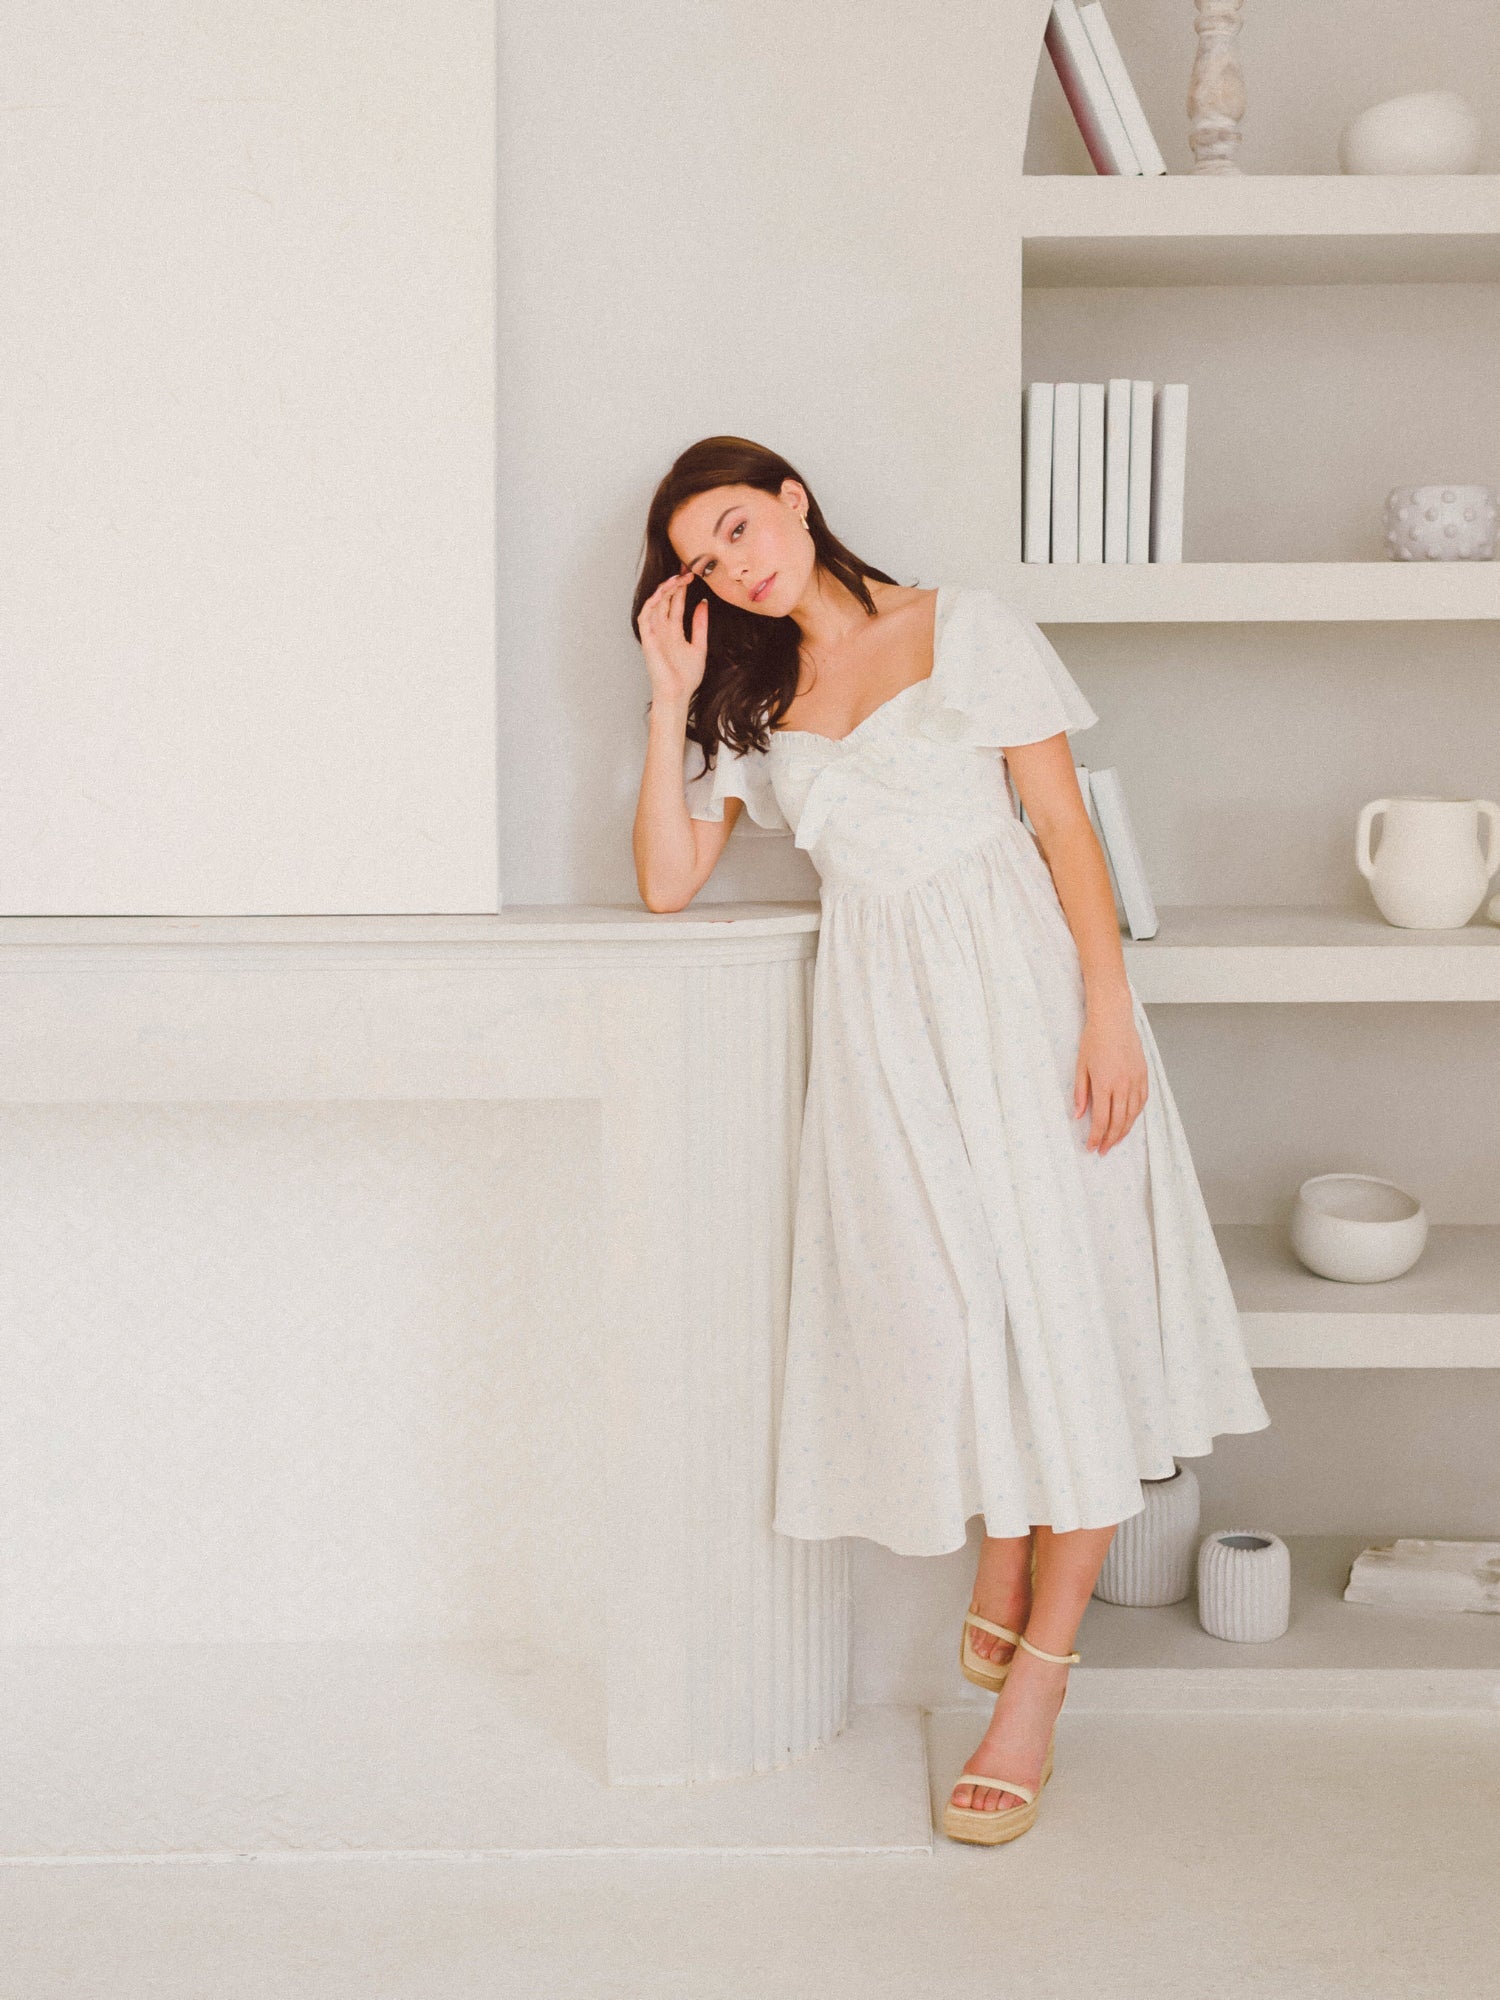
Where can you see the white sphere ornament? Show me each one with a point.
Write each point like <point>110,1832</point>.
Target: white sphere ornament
<point>1427,132</point>
<point>1150,1560</point>
<point>1357,1228</point>
<point>1449,523</point>
<point>1244,1585</point>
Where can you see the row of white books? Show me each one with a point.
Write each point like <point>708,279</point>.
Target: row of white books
<point>1103,471</point>
<point>1106,803</point>
<point>1100,94</point>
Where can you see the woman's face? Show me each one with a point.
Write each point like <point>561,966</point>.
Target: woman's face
<point>741,540</point>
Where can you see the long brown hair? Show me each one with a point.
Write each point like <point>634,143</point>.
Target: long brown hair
<point>750,677</point>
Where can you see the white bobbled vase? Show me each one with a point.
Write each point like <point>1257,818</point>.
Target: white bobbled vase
<point>1150,1560</point>
<point>1244,1584</point>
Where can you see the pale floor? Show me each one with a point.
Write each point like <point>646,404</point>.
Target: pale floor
<point>1295,1856</point>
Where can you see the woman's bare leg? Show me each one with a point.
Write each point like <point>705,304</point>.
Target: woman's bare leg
<point>1015,1744</point>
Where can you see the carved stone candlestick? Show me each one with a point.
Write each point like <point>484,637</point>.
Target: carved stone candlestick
<point>1216,92</point>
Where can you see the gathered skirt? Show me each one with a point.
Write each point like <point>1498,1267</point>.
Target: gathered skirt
<point>986,1318</point>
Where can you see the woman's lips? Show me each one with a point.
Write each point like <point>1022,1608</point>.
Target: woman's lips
<point>760,590</point>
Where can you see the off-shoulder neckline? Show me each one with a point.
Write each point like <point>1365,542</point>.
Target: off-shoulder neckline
<point>939,620</point>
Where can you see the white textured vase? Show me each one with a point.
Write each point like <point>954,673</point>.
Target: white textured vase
<point>1244,1584</point>
<point>1150,1560</point>
<point>1440,523</point>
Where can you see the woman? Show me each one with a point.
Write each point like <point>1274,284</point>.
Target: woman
<point>995,1308</point>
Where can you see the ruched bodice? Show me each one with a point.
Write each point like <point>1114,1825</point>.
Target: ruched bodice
<point>904,791</point>
<point>888,804</point>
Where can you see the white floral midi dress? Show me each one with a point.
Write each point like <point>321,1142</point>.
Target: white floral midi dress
<point>985,1317</point>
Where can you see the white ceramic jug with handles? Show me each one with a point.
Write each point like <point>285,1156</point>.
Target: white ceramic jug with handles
<point>1428,874</point>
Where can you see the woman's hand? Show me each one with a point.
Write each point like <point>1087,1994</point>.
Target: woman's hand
<point>1112,1071</point>
<point>674,663</point>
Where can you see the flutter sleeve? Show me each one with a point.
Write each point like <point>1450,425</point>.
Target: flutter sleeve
<point>733,776</point>
<point>998,680</point>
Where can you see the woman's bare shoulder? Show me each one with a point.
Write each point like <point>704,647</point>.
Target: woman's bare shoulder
<point>897,599</point>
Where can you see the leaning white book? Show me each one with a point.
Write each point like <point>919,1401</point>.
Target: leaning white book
<point>1086,786</point>
<point>1168,471</point>
<point>1118,841</point>
<point>1089,96</point>
<point>1065,472</point>
<point>1121,89</point>
<point>1116,467</point>
<point>1138,511</point>
<point>1091,472</point>
<point>1036,473</point>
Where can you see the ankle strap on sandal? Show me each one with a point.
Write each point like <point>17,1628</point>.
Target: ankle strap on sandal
<point>1068,1657</point>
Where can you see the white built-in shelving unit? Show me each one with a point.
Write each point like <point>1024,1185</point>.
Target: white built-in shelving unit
<point>1186,229</point>
<point>1291,229</point>
<point>1191,230</point>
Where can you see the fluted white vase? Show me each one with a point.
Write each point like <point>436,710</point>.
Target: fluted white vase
<point>1244,1584</point>
<point>1150,1560</point>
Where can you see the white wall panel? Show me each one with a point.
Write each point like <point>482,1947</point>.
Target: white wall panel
<point>247,457</point>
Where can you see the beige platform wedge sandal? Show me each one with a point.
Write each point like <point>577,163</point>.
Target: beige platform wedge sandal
<point>987,1673</point>
<point>988,1829</point>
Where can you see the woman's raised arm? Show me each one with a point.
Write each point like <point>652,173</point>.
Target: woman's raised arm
<point>674,853</point>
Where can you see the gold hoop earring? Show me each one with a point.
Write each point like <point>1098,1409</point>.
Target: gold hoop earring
<point>804,523</point>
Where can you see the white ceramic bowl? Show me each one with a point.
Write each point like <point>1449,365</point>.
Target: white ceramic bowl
<point>1426,132</point>
<point>1357,1228</point>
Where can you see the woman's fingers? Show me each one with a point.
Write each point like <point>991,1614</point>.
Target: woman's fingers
<point>1104,1104</point>
<point>658,609</point>
<point>657,601</point>
<point>1116,1108</point>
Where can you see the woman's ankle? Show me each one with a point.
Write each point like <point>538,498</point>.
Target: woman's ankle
<point>1047,1647</point>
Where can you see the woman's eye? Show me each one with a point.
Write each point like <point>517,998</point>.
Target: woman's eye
<point>709,564</point>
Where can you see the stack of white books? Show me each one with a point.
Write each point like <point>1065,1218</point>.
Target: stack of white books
<point>1103,471</point>
<point>1099,91</point>
<point>1105,799</point>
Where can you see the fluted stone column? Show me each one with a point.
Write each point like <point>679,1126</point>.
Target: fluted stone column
<point>728,1644</point>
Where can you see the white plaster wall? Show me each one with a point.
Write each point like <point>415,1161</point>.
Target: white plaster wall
<point>319,1371</point>
<point>778,221</point>
<point>247,479</point>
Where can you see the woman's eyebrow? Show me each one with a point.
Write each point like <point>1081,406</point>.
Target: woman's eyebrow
<point>717,525</point>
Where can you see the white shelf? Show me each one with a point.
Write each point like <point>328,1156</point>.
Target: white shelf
<point>522,923</point>
<point>1443,1313</point>
<point>1237,952</point>
<point>1212,593</point>
<point>1307,229</point>
<point>1332,1654</point>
